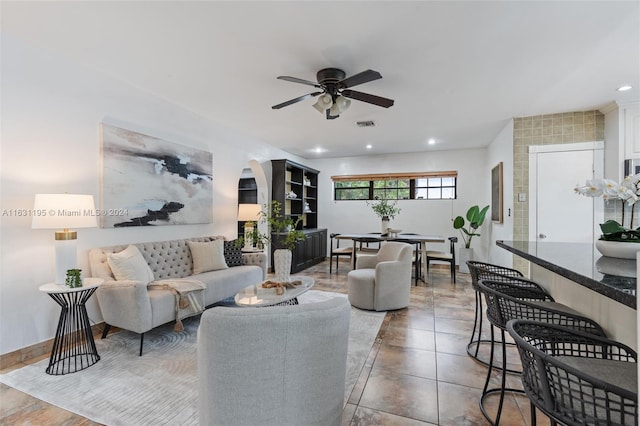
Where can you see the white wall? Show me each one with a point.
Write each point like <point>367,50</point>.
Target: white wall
<point>501,149</point>
<point>614,144</point>
<point>51,110</point>
<point>420,216</point>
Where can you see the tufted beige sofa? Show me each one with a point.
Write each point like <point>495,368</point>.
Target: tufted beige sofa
<point>130,305</point>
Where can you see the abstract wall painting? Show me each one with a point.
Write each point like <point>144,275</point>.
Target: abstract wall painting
<point>148,181</point>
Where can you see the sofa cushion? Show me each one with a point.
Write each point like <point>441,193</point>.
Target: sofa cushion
<point>233,253</point>
<point>130,265</point>
<point>226,283</point>
<point>207,256</point>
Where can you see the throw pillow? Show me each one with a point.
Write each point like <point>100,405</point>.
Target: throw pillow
<point>207,256</point>
<point>130,265</point>
<point>233,253</point>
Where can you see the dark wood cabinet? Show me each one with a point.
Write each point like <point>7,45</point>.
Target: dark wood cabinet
<point>247,191</point>
<point>296,188</point>
<point>247,194</point>
<point>310,251</point>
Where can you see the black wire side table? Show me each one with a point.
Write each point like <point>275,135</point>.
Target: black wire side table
<point>73,347</point>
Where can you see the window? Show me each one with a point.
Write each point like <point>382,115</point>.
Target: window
<point>352,190</point>
<point>436,188</point>
<point>396,186</point>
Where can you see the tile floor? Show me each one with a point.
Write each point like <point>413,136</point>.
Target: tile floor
<point>418,372</point>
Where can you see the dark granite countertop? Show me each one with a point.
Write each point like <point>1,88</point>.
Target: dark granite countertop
<point>583,264</point>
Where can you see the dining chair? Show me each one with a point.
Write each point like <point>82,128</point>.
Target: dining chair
<point>417,255</point>
<point>371,245</point>
<point>576,378</point>
<point>361,245</point>
<point>522,299</point>
<point>338,251</point>
<point>442,256</point>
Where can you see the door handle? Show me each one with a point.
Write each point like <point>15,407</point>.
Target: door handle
<point>542,236</point>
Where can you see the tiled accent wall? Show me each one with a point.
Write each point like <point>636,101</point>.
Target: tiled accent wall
<point>551,129</point>
<point>613,210</point>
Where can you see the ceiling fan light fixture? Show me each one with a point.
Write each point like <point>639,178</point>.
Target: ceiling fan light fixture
<point>342,103</point>
<point>323,103</point>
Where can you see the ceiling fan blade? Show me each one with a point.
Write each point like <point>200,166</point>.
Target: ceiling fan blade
<point>365,97</point>
<point>360,78</point>
<point>298,80</point>
<point>298,99</point>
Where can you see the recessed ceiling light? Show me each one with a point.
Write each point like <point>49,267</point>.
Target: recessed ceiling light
<point>319,150</point>
<point>431,141</point>
<point>624,88</point>
<point>369,146</point>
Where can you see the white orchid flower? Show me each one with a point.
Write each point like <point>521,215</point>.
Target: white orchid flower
<point>611,187</point>
<point>627,191</point>
<point>633,183</point>
<point>593,188</point>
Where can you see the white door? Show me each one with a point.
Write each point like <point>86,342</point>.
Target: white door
<point>556,212</point>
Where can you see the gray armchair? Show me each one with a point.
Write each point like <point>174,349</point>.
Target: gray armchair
<point>382,281</point>
<point>280,365</point>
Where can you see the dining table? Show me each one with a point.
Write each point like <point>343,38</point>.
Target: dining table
<point>421,239</point>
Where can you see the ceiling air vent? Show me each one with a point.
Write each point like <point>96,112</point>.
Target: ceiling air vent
<point>369,123</point>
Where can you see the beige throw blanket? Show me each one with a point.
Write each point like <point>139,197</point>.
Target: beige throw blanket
<point>189,296</point>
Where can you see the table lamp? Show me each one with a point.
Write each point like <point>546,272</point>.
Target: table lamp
<point>249,214</point>
<point>64,211</point>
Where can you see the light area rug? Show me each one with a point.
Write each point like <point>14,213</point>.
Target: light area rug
<point>161,387</point>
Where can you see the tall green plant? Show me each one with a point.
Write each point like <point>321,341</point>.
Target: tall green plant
<point>475,216</point>
<point>283,226</point>
<point>384,208</point>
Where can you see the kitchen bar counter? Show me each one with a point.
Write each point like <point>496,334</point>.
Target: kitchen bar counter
<point>583,264</point>
<point>601,288</point>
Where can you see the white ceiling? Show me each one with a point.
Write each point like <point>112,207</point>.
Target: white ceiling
<point>458,71</point>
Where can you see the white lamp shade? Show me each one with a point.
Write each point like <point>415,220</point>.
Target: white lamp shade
<point>63,211</point>
<point>342,103</point>
<point>249,212</point>
<point>324,103</point>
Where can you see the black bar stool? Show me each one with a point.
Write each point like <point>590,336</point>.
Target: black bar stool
<point>576,378</point>
<point>481,271</point>
<point>522,299</point>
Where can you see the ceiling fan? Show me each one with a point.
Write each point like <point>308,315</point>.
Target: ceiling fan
<point>335,93</point>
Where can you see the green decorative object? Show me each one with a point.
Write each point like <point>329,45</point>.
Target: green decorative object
<point>475,216</point>
<point>73,279</point>
<point>284,227</point>
<point>627,193</point>
<point>613,231</point>
<point>384,208</point>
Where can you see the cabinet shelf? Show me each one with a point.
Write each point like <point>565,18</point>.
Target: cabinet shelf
<point>288,176</point>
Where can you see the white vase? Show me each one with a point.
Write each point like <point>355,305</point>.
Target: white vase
<point>464,254</point>
<point>385,225</point>
<point>282,264</point>
<point>618,249</point>
<point>616,266</point>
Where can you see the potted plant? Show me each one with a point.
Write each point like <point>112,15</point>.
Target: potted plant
<point>616,239</point>
<point>284,236</point>
<point>385,210</point>
<point>475,217</point>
